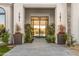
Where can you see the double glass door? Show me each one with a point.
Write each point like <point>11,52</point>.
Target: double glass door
<point>39,25</point>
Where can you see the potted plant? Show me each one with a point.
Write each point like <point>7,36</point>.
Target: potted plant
<point>18,35</point>
<point>61,35</point>
<point>28,34</point>
<point>50,33</point>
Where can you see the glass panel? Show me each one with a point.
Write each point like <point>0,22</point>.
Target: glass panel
<point>39,26</point>
<point>43,24</point>
<point>35,26</point>
<point>2,10</point>
<point>2,20</point>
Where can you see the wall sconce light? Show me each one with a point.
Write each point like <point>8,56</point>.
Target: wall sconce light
<point>60,17</point>
<point>19,16</point>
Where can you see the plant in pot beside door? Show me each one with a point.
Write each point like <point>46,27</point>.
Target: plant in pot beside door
<point>28,34</point>
<point>61,35</point>
<point>50,34</point>
<point>18,35</point>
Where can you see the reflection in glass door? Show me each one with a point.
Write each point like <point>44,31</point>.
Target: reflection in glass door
<point>35,25</point>
<point>43,24</point>
<point>39,25</point>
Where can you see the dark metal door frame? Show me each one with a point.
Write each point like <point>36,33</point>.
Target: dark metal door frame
<point>39,23</point>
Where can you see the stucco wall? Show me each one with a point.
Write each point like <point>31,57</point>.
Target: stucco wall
<point>75,21</point>
<point>60,8</point>
<point>61,14</point>
<point>19,13</point>
<point>39,12</point>
<point>19,16</point>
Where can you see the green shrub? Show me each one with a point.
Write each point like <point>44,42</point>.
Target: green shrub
<point>51,33</point>
<point>28,38</point>
<point>51,29</point>
<point>65,36</point>
<point>5,37</point>
<point>28,33</point>
<point>2,27</point>
<point>51,38</point>
<point>69,40</point>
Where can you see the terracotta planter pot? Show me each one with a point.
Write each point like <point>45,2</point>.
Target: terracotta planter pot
<point>17,38</point>
<point>60,38</point>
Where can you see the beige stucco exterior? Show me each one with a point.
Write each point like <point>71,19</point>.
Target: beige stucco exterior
<point>16,10</point>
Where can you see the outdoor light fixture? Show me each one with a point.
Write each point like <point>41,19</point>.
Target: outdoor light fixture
<point>60,17</point>
<point>19,16</point>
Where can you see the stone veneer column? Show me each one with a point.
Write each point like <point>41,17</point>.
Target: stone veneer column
<point>61,12</point>
<point>75,21</point>
<point>19,16</point>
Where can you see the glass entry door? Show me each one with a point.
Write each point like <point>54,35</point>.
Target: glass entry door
<point>39,25</point>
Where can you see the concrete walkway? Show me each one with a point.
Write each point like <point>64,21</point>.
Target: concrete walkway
<point>39,48</point>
